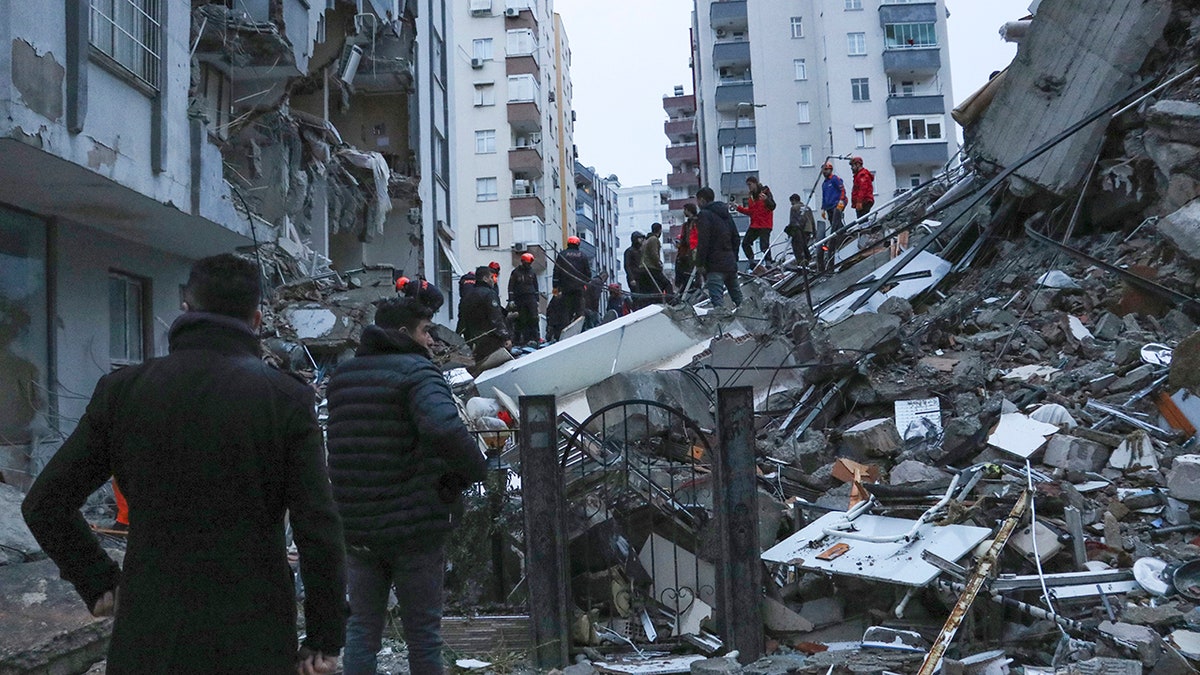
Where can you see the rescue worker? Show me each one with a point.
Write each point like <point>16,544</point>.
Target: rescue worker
<point>633,261</point>
<point>556,316</point>
<point>591,300</point>
<point>482,319</point>
<point>422,291</point>
<point>833,203</point>
<point>523,294</point>
<point>862,195</point>
<point>685,255</point>
<point>618,303</point>
<point>495,268</point>
<point>572,270</point>
<point>760,208</point>
<point>800,229</point>
<point>652,279</point>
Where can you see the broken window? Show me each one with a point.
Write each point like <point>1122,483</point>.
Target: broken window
<point>126,318</point>
<point>214,96</point>
<point>485,189</point>
<point>487,236</point>
<point>918,129</point>
<point>23,326</point>
<point>485,141</point>
<point>129,33</point>
<point>481,48</point>
<point>739,158</point>
<point>856,44</point>
<point>860,88</point>
<point>910,35</point>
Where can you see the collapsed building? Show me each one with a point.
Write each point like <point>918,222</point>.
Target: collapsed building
<point>972,448</point>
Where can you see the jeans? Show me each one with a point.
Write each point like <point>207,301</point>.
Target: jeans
<point>763,235</point>
<point>417,579</point>
<point>717,282</point>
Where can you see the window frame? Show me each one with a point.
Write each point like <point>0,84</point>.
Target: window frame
<point>864,137</point>
<point>730,155</point>
<point>516,83</point>
<point>797,27</point>
<point>806,155</point>
<point>144,63</point>
<point>860,89</point>
<point>891,39</point>
<point>856,44</point>
<point>142,310</point>
<point>485,94</point>
<point>800,70</point>
<point>804,112</point>
<point>925,122</point>
<point>483,49</point>
<point>488,141</point>
<point>493,232</point>
<point>853,5</point>
<point>481,192</point>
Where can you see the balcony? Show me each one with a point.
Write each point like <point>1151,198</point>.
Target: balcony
<point>907,12</point>
<point>525,116</point>
<point>915,105</point>
<point>737,135</point>
<point>526,205</point>
<point>678,204</point>
<point>683,152</point>
<point>678,130</point>
<point>680,105</point>
<point>683,179</point>
<point>530,231</point>
<point>734,53</point>
<point>524,16</point>
<point>527,159</point>
<point>729,15</point>
<point>729,97</point>
<point>920,154</point>
<point>912,61</point>
<point>522,64</point>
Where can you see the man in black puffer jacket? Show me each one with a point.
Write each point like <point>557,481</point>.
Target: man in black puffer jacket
<point>399,458</point>
<point>716,248</point>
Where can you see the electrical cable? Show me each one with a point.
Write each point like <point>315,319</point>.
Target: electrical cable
<point>1033,536</point>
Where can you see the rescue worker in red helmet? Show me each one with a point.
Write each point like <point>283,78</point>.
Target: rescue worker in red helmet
<point>524,295</point>
<point>422,291</point>
<point>572,270</point>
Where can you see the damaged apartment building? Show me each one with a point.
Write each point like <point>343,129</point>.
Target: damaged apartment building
<point>140,135</point>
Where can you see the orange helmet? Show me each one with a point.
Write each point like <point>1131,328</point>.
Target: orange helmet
<point>572,241</point>
<point>401,283</point>
<point>495,266</point>
<point>526,257</point>
<point>856,160</point>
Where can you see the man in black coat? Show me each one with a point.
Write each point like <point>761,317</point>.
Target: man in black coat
<point>572,270</point>
<point>399,457</point>
<point>212,448</point>
<point>633,261</point>
<point>716,248</point>
<point>524,295</point>
<point>481,317</point>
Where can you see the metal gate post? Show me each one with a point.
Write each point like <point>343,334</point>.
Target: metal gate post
<point>545,530</point>
<point>735,503</point>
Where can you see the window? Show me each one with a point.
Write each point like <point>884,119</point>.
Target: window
<point>797,26</point>
<point>902,88</point>
<point>916,129</point>
<point>481,48</point>
<point>806,156</point>
<point>856,44</point>
<point>909,35</point>
<point>522,88</point>
<point>441,155</point>
<point>914,179</point>
<point>631,202</point>
<point>862,137</point>
<point>485,141</point>
<point>126,327</point>
<point>521,42</point>
<point>481,7</point>
<point>128,32</point>
<point>438,46</point>
<point>801,69</point>
<point>487,236</point>
<point>853,4</point>
<point>485,190</point>
<point>485,93</point>
<point>215,99</point>
<point>860,88</point>
<point>802,112</point>
<point>739,158</point>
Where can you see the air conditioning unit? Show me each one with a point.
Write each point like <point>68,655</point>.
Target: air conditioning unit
<point>512,12</point>
<point>520,247</point>
<point>521,186</point>
<point>476,63</point>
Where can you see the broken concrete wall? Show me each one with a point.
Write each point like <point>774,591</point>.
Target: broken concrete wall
<point>1074,61</point>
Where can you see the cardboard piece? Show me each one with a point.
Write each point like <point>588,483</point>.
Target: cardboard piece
<point>1020,435</point>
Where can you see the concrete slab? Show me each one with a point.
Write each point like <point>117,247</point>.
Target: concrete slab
<point>907,289</point>
<point>45,626</point>
<point>16,541</point>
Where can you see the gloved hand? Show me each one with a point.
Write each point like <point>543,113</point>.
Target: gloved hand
<point>824,215</point>
<point>841,206</point>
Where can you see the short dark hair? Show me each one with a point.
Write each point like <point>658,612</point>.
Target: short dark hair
<point>224,284</point>
<point>690,208</point>
<point>401,312</point>
<point>656,227</point>
<point>794,198</point>
<point>706,194</point>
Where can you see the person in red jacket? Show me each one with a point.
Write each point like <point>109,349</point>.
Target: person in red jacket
<point>862,196</point>
<point>759,208</point>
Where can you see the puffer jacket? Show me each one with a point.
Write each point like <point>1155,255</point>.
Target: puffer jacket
<point>399,454</point>
<point>716,248</point>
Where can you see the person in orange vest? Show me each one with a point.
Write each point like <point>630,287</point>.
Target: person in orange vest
<point>122,522</point>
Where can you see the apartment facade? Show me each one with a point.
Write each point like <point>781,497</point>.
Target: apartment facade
<point>515,183</point>
<point>683,153</point>
<point>597,218</point>
<point>781,87</point>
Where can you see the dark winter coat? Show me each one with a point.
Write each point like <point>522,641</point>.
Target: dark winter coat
<point>399,455</point>
<point>481,314</point>
<point>523,284</point>
<point>633,266</point>
<point>717,244</point>
<point>211,448</point>
<point>572,270</point>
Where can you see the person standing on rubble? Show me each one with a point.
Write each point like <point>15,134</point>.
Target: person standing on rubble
<point>212,448</point>
<point>633,261</point>
<point>833,203</point>
<point>524,295</point>
<point>716,249</point>
<point>592,294</point>
<point>572,270</point>
<point>800,229</point>
<point>760,207</point>
<point>862,195</point>
<point>400,458</point>
<point>653,280</point>
<point>685,250</point>
<point>482,318</point>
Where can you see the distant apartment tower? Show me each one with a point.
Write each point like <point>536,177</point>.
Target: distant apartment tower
<point>783,86</point>
<point>683,152</point>
<point>642,206</point>
<point>596,217</point>
<point>515,165</point>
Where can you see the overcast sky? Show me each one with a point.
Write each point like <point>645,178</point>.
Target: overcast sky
<point>627,53</point>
